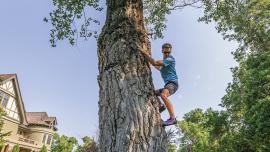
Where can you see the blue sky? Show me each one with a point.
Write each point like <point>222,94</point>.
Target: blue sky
<point>62,80</point>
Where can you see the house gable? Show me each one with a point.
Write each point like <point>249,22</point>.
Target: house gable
<point>8,86</point>
<point>11,98</point>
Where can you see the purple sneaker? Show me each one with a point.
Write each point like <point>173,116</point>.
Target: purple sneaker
<point>170,121</point>
<point>162,108</point>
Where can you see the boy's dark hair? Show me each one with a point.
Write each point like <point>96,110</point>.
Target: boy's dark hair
<point>166,45</point>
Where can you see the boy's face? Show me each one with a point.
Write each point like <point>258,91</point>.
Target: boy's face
<point>166,51</point>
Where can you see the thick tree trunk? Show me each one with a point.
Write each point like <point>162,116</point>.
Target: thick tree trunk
<point>129,120</point>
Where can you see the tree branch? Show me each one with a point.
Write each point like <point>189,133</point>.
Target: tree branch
<point>184,3</point>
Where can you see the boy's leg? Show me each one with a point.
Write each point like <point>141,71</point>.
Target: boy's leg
<point>168,90</point>
<point>164,95</point>
<point>161,106</point>
<point>158,93</point>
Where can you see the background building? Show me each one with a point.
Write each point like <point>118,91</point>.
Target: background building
<point>30,130</point>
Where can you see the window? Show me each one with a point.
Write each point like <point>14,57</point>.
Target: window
<point>9,104</point>
<point>5,101</point>
<point>49,140</point>
<point>44,138</point>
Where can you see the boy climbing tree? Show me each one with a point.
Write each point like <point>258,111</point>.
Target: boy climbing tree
<point>168,73</point>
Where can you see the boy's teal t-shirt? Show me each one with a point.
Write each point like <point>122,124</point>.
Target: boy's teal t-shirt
<point>168,71</point>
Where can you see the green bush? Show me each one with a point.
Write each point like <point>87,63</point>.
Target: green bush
<point>43,149</point>
<point>16,148</point>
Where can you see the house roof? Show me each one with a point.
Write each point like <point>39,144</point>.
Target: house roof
<point>39,118</point>
<point>7,76</point>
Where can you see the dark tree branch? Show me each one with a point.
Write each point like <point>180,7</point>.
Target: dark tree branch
<point>184,3</point>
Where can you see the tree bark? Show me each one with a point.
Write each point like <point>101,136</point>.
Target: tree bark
<point>129,120</point>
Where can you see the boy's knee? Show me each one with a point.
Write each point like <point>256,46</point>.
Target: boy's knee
<point>163,95</point>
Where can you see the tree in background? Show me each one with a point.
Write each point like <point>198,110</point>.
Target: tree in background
<point>128,116</point>
<point>204,131</point>
<point>244,124</point>
<point>89,145</point>
<point>16,148</point>
<point>43,149</point>
<point>70,144</point>
<point>172,148</point>
<point>247,98</point>
<point>63,143</point>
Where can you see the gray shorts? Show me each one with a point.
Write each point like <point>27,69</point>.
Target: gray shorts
<point>171,86</point>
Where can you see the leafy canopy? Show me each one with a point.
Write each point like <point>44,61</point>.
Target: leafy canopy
<point>63,143</point>
<point>72,19</point>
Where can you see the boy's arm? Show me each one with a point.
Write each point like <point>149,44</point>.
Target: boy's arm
<point>157,67</point>
<point>150,59</point>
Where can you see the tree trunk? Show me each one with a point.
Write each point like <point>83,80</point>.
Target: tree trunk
<point>129,120</point>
